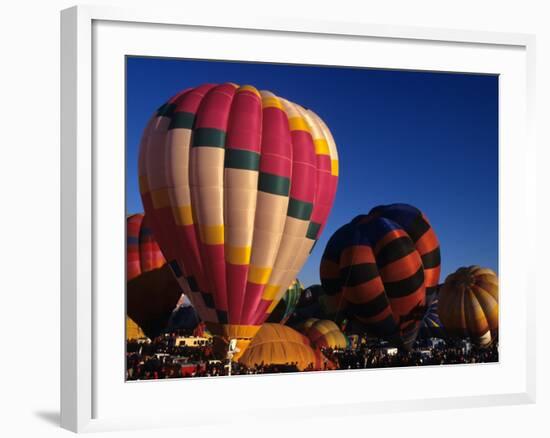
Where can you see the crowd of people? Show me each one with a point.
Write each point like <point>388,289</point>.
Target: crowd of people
<point>161,358</point>
<point>442,354</point>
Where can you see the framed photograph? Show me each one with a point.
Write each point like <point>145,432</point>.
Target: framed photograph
<point>287,207</point>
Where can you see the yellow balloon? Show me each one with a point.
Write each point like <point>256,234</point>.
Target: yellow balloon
<point>468,304</point>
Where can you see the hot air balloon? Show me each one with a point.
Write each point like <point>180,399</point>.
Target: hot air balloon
<point>468,304</point>
<point>379,269</point>
<point>431,325</point>
<point>151,290</point>
<point>323,333</point>
<point>238,184</point>
<point>277,344</point>
<point>284,310</point>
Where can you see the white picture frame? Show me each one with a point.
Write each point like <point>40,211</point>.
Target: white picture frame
<point>91,390</point>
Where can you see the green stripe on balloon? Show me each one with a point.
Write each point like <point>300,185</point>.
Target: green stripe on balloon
<point>275,184</point>
<point>241,159</point>
<point>299,209</point>
<point>313,230</point>
<point>209,137</point>
<point>182,120</point>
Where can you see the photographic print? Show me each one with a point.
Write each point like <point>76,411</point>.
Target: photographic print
<point>295,218</point>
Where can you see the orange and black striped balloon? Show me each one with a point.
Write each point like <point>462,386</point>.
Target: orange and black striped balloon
<point>468,304</point>
<point>380,267</point>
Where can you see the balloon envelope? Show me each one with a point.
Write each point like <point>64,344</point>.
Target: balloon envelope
<point>284,310</point>
<point>379,268</point>
<point>431,325</point>
<point>151,299</point>
<point>142,251</point>
<point>323,333</point>
<point>468,304</point>
<point>151,290</point>
<point>277,344</point>
<point>238,184</point>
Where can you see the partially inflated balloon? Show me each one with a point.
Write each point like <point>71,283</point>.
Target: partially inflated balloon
<point>284,310</point>
<point>238,184</point>
<point>324,333</point>
<point>468,304</point>
<point>380,267</point>
<point>277,344</point>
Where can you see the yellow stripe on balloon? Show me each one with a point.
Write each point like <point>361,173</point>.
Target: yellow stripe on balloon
<point>259,275</point>
<point>238,255</point>
<point>211,234</point>
<point>334,167</point>
<point>321,147</point>
<point>160,198</point>
<point>298,124</point>
<point>272,102</point>
<point>270,292</point>
<point>249,88</point>
<point>183,215</point>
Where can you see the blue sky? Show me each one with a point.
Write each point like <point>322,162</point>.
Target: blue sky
<point>426,139</point>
